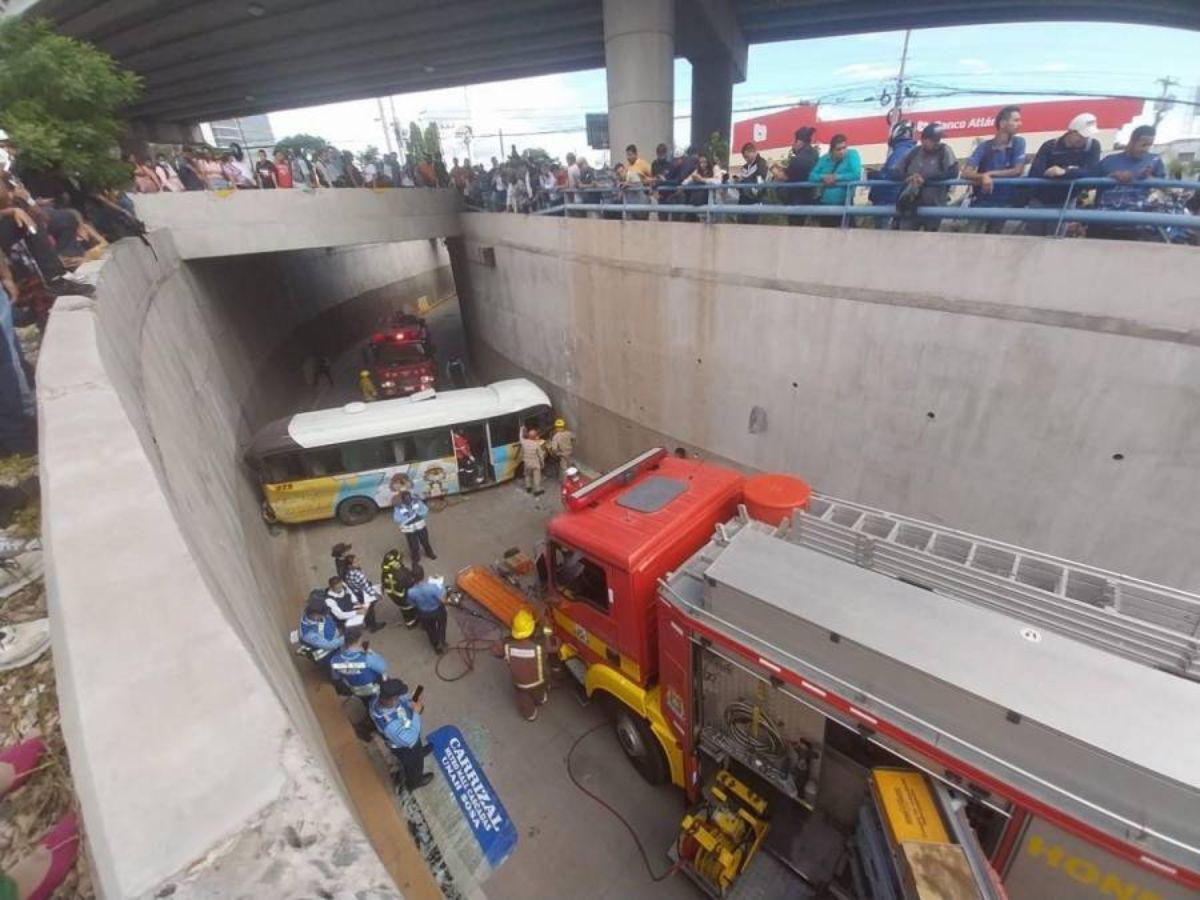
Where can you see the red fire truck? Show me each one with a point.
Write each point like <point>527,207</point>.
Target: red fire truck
<point>853,700</point>
<point>400,357</point>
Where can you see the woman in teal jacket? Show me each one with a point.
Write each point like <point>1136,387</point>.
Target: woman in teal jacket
<point>839,165</point>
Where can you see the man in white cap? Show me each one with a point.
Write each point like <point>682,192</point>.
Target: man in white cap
<point>1075,154</point>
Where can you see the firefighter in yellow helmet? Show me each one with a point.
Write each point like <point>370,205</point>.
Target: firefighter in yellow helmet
<point>525,652</point>
<point>562,445</point>
<point>367,386</point>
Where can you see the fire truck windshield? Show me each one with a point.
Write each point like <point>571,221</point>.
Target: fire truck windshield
<point>578,578</point>
<point>391,354</point>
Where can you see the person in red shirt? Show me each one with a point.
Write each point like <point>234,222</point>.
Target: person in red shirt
<point>283,170</point>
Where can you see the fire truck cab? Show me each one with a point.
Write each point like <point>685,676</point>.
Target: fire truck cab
<point>868,705</point>
<point>401,358</point>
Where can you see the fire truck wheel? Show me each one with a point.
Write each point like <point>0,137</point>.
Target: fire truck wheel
<point>639,744</point>
<point>356,511</point>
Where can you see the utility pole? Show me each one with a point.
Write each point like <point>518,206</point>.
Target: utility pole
<point>395,124</point>
<point>1166,100</point>
<point>387,134</point>
<point>895,113</point>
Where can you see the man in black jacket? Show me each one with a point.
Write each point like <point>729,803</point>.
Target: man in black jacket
<point>754,172</point>
<point>800,165</point>
<point>1075,154</point>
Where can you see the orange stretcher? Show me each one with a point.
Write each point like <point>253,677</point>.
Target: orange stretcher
<point>493,593</point>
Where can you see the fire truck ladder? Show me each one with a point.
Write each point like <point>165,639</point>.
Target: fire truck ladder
<point>1148,623</point>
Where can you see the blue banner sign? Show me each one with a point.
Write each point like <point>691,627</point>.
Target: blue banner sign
<point>495,831</point>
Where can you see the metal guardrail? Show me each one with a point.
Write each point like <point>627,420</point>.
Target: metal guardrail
<point>1148,623</point>
<point>636,201</point>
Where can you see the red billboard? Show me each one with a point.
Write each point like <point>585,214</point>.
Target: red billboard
<point>776,130</point>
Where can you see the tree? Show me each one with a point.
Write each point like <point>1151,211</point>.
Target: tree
<point>538,158</point>
<point>59,103</point>
<point>716,148</point>
<point>433,142</point>
<point>308,144</point>
<point>416,143</point>
<point>370,155</point>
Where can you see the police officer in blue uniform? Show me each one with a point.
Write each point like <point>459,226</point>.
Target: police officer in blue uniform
<point>319,631</point>
<point>357,667</point>
<point>398,719</point>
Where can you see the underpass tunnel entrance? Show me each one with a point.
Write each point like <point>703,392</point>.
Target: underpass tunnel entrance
<point>297,332</point>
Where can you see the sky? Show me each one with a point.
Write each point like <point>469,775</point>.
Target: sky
<point>846,75</point>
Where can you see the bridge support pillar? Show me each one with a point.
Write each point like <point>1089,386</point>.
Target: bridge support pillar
<point>639,53</point>
<point>712,98</point>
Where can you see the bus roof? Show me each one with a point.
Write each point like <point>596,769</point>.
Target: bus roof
<point>363,421</point>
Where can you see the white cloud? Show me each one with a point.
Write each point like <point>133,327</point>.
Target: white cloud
<point>866,71</point>
<point>973,64</point>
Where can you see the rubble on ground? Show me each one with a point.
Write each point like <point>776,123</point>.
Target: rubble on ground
<point>28,700</point>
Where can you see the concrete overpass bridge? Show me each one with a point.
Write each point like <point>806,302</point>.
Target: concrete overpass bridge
<point>225,58</point>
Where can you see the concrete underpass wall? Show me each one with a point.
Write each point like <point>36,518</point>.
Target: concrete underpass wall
<point>161,573</point>
<point>982,382</point>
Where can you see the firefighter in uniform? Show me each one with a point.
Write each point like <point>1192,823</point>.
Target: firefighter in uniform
<point>526,658</point>
<point>562,445</point>
<point>397,578</point>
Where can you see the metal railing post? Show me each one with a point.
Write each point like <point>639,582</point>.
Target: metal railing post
<point>1062,213</point>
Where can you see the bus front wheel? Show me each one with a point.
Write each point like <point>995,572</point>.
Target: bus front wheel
<point>356,511</point>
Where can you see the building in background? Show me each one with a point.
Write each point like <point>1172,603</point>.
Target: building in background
<point>964,128</point>
<point>252,132</point>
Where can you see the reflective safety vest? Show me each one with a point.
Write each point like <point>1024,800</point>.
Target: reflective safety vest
<point>354,669</point>
<point>390,721</point>
<point>525,660</point>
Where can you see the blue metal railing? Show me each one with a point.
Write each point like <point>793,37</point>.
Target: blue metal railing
<point>633,200</point>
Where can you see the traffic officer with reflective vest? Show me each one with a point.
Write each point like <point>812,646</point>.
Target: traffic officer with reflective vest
<point>397,717</point>
<point>319,631</point>
<point>357,667</point>
<point>526,658</point>
<point>397,578</point>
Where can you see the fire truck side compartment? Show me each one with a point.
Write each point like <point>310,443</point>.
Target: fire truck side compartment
<point>952,675</point>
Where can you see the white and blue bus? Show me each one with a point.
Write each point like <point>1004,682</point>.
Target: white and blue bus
<point>350,462</point>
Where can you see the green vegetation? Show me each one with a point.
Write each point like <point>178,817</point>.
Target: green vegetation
<point>306,143</point>
<point>59,100</point>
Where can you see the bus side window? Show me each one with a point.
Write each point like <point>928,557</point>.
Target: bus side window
<point>323,461</point>
<point>434,444</point>
<point>363,455</point>
<point>580,579</point>
<point>282,467</point>
<point>404,450</point>
<point>503,430</point>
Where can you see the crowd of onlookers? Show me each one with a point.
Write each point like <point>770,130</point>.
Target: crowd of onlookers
<point>204,169</point>
<point>921,171</point>
<point>49,226</point>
